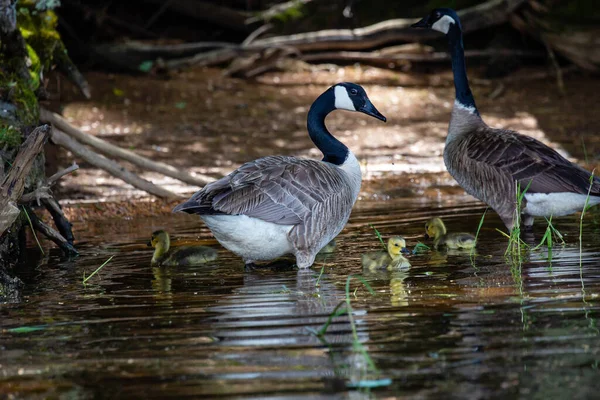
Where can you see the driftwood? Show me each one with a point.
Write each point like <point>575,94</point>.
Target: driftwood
<point>13,184</point>
<point>115,169</point>
<point>488,14</point>
<point>114,151</point>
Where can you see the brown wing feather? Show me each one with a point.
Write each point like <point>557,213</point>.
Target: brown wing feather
<point>278,189</point>
<point>526,159</point>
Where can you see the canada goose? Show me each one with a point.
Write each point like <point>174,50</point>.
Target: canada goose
<point>392,259</point>
<point>436,229</point>
<point>280,205</point>
<point>488,162</point>
<point>182,256</point>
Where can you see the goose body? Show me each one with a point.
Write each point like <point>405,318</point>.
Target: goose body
<point>281,205</point>
<point>166,256</point>
<point>489,163</point>
<point>391,260</point>
<point>436,229</point>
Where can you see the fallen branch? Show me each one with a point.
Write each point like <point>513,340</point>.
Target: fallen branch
<point>114,151</point>
<point>64,140</point>
<point>13,184</point>
<point>50,233</point>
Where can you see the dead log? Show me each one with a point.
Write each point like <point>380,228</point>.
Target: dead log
<point>13,184</point>
<point>114,151</point>
<point>64,140</point>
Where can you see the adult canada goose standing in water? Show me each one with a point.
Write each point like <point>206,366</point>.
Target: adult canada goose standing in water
<point>280,205</point>
<point>488,162</point>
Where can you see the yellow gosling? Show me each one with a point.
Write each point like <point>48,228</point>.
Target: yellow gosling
<point>436,229</point>
<point>181,256</point>
<point>392,260</point>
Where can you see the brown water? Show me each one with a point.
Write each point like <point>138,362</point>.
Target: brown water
<point>451,327</point>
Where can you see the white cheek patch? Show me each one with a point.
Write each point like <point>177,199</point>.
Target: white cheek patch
<point>443,24</point>
<point>342,99</point>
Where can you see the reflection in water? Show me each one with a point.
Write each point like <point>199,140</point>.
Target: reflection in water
<point>454,326</point>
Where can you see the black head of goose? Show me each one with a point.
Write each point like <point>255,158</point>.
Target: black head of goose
<point>280,205</point>
<point>489,163</point>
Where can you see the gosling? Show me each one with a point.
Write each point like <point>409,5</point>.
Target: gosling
<point>182,256</point>
<point>435,228</point>
<point>392,260</point>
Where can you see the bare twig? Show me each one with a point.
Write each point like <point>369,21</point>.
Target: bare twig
<point>43,190</point>
<point>277,9</point>
<point>254,35</point>
<point>114,151</point>
<point>54,178</point>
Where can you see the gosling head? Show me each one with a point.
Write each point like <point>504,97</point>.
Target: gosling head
<point>161,243</point>
<point>434,228</point>
<point>396,246</point>
<point>352,97</point>
<point>442,20</point>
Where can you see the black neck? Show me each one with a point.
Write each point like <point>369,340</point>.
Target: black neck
<point>333,150</point>
<point>461,83</point>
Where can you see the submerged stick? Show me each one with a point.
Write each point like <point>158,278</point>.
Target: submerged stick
<point>115,169</point>
<point>114,151</point>
<point>49,232</point>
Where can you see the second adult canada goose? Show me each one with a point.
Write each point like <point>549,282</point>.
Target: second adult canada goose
<point>287,205</point>
<point>489,162</point>
<point>436,229</point>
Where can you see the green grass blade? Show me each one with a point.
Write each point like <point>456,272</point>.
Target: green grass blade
<point>33,231</point>
<point>378,236</point>
<point>97,270</point>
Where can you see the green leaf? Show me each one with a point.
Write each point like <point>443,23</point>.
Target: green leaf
<point>146,66</point>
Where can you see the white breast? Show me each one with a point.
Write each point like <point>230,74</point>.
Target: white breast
<point>250,238</point>
<point>352,169</point>
<point>556,204</point>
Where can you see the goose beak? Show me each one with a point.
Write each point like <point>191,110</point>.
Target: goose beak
<point>404,250</point>
<point>149,244</point>
<point>370,109</point>
<point>424,23</point>
<point>426,237</point>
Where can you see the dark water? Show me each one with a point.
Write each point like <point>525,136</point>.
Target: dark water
<point>451,327</point>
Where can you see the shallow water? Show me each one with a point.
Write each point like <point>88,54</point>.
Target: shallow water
<point>451,327</point>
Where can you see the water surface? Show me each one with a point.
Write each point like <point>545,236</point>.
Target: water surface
<point>453,326</point>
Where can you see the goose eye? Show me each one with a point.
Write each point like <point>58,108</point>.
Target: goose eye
<point>353,91</point>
